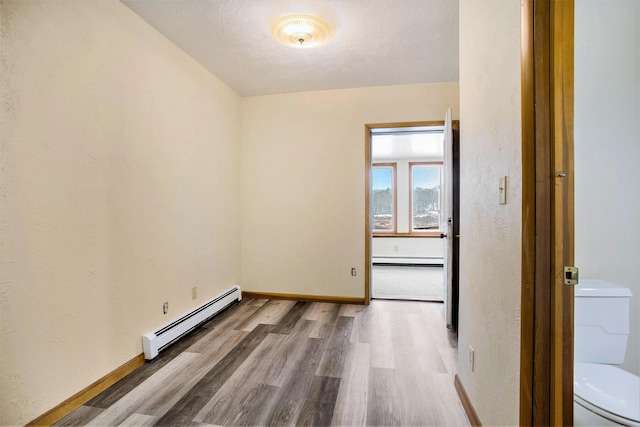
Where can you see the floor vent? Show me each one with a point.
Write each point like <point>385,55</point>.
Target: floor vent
<point>154,342</point>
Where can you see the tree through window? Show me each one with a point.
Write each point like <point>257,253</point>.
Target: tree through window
<point>426,196</point>
<point>383,197</point>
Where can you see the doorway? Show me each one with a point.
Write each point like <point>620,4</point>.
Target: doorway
<point>406,219</point>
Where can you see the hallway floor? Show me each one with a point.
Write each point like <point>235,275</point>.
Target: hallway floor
<point>421,282</point>
<point>269,362</point>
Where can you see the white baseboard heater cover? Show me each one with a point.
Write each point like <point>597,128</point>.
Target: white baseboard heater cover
<point>153,342</point>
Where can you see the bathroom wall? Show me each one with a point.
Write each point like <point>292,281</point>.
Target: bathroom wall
<point>119,191</point>
<point>607,149</point>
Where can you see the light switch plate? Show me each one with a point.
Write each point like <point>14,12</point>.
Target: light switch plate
<point>502,188</point>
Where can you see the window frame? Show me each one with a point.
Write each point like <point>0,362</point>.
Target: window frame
<point>393,166</point>
<point>430,232</point>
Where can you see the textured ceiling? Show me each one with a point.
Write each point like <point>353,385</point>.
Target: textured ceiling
<point>376,43</point>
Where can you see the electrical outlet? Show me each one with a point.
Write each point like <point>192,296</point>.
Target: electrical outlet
<point>472,357</point>
<point>194,292</point>
<point>165,308</point>
<point>395,248</point>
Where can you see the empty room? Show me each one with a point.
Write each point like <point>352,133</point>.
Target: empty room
<point>188,234</point>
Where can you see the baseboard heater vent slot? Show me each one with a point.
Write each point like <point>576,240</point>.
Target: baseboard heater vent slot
<point>154,342</point>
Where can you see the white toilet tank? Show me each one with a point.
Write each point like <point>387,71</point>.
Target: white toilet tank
<point>601,320</point>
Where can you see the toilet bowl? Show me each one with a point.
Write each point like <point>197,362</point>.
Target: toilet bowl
<point>603,394</point>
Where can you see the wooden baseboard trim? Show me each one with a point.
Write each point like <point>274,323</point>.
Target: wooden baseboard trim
<point>466,403</point>
<point>83,396</point>
<point>306,298</point>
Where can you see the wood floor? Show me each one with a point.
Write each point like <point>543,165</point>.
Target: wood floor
<point>271,362</point>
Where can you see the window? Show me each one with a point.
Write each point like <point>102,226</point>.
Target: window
<point>426,196</point>
<point>383,197</point>
<point>406,193</point>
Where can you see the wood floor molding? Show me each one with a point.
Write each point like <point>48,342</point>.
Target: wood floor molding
<point>83,396</point>
<point>466,403</point>
<point>305,298</point>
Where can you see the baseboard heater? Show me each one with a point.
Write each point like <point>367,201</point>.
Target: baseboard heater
<point>407,260</point>
<point>154,342</point>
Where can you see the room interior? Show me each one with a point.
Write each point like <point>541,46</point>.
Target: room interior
<point>132,173</point>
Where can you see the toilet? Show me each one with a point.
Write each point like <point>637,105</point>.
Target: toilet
<point>603,394</point>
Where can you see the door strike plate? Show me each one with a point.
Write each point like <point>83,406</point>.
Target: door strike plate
<point>571,276</point>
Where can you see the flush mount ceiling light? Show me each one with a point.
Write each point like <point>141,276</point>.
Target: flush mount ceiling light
<point>301,30</point>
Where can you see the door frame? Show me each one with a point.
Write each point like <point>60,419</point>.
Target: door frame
<point>546,359</point>
<point>455,124</point>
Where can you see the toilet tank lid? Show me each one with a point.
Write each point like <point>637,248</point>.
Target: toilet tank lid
<point>600,288</point>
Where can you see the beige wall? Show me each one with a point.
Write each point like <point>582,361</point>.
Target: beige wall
<point>303,182</point>
<point>120,190</point>
<point>490,242</point>
<point>607,149</point>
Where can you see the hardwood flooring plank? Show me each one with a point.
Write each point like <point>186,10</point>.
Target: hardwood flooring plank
<point>290,397</point>
<point>191,403</point>
<point>137,377</point>
<point>251,406</point>
<point>290,320</point>
<point>258,302</point>
<point>400,333</point>
<point>316,309</point>
<point>362,325</point>
<point>397,306</point>
<point>415,398</point>
<point>222,405</point>
<point>324,316</point>
<point>333,356</point>
<point>135,420</point>
<point>222,322</point>
<point>351,402</point>
<point>227,320</point>
<point>286,355</point>
<point>79,417</point>
<point>351,310</point>
<point>426,349</point>
<point>400,397</point>
<point>450,358</point>
<point>320,402</point>
<point>158,393</point>
<point>447,399</point>
<point>238,407</point>
<point>176,387</point>
<point>381,342</point>
<point>128,404</point>
<point>434,321</point>
<point>269,313</point>
<point>381,400</point>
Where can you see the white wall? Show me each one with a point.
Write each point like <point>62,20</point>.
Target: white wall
<point>120,190</point>
<point>607,149</point>
<point>490,234</point>
<point>303,182</point>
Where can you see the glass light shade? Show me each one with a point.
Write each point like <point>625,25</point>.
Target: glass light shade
<point>301,30</point>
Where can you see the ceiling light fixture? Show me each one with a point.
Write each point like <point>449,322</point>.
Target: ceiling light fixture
<point>301,30</point>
